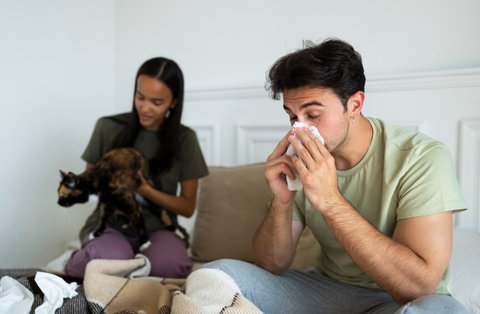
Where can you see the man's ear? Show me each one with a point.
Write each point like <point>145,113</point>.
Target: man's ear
<point>355,103</point>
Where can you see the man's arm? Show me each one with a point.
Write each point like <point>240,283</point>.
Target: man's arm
<point>275,241</point>
<point>410,264</point>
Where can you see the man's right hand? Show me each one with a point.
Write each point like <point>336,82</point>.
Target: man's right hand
<point>277,167</point>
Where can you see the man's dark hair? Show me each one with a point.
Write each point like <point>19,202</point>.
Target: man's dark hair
<point>331,64</point>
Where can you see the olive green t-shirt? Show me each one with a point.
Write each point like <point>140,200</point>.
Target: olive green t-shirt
<point>187,164</point>
<point>403,174</point>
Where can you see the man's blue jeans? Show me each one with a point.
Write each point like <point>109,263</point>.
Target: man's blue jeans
<point>309,292</point>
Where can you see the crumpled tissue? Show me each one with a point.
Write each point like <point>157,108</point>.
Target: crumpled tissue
<point>296,184</point>
<point>55,289</point>
<point>143,271</point>
<point>14,297</point>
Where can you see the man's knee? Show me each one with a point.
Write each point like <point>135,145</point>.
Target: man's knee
<point>435,303</point>
<point>227,265</point>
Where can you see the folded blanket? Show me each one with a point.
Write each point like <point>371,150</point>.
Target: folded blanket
<point>114,286</point>
<point>211,291</point>
<point>110,287</point>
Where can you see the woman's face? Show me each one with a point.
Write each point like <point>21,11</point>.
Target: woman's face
<point>152,100</point>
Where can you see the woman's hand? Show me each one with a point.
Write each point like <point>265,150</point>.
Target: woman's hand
<point>144,186</point>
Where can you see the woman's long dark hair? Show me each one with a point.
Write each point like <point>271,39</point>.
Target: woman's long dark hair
<point>168,72</point>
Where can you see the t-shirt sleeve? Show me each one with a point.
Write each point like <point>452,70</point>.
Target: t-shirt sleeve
<point>430,185</point>
<point>192,160</point>
<point>101,140</point>
<point>298,213</point>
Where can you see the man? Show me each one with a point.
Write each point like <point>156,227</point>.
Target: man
<point>378,198</point>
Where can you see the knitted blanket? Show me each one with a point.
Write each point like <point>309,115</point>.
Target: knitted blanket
<point>117,286</point>
<point>211,291</point>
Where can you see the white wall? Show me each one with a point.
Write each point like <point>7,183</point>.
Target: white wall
<point>222,44</point>
<point>56,77</point>
<point>65,63</point>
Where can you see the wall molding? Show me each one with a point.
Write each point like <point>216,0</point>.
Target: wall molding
<point>208,135</point>
<point>251,138</point>
<point>226,93</point>
<point>455,78</point>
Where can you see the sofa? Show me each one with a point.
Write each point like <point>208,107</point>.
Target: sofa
<point>232,202</point>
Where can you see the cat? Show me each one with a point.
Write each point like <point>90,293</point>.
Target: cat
<point>114,178</point>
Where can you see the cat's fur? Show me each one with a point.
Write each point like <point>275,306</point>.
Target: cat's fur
<point>114,178</point>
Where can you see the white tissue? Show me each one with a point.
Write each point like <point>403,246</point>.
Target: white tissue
<point>55,289</point>
<point>14,297</point>
<point>296,184</point>
<point>143,271</point>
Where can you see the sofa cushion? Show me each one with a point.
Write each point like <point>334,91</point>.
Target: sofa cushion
<point>232,203</point>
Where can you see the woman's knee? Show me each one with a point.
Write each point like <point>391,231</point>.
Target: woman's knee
<point>168,255</point>
<point>110,245</point>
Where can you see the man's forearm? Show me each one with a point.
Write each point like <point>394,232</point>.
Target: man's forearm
<point>272,242</point>
<point>392,265</point>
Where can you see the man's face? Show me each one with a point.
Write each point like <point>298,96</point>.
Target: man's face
<point>322,108</point>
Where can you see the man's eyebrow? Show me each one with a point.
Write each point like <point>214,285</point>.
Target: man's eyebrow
<point>305,105</point>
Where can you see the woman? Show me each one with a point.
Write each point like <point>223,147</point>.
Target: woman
<point>175,159</point>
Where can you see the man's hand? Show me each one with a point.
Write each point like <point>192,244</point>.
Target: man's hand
<point>316,168</point>
<point>277,167</point>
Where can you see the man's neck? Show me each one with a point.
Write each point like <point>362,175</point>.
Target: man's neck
<point>356,145</point>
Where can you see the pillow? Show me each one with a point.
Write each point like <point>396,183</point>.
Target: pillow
<point>307,252</point>
<point>232,203</point>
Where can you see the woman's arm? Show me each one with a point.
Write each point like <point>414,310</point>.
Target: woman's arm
<point>183,205</point>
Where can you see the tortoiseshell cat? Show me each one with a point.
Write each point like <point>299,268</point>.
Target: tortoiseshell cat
<point>114,178</point>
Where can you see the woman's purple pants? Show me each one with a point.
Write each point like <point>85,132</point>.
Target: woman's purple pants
<point>167,254</point>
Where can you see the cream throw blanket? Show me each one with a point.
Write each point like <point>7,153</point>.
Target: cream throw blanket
<point>211,291</point>
<point>114,286</point>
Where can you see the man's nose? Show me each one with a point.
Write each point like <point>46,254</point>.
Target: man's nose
<point>301,118</point>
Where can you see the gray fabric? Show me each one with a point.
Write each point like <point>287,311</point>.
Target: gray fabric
<point>25,276</point>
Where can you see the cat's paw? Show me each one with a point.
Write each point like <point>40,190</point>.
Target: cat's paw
<point>145,246</point>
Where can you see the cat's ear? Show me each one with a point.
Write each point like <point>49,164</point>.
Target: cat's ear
<point>63,174</point>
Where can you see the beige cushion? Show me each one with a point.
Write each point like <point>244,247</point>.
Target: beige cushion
<point>307,251</point>
<point>232,204</point>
